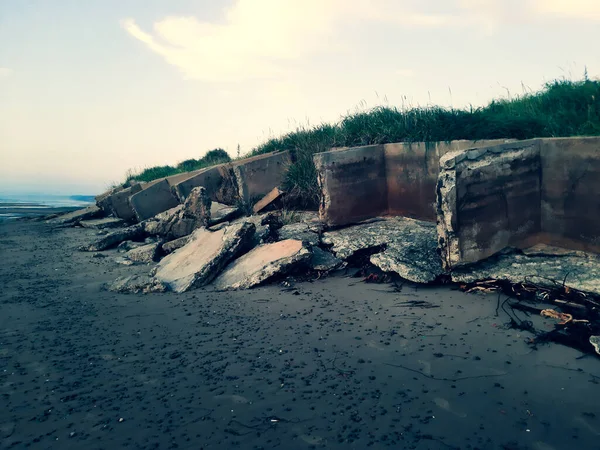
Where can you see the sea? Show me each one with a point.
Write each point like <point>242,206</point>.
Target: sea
<point>14,206</point>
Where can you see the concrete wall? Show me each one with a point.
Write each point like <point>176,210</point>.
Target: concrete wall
<point>518,195</point>
<point>119,202</point>
<point>488,199</point>
<point>571,192</point>
<point>257,176</point>
<point>353,184</point>
<point>412,171</point>
<point>155,198</point>
<point>397,179</point>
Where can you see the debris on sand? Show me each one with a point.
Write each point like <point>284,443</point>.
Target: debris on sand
<point>136,284</point>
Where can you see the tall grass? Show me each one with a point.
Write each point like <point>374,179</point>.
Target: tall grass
<point>213,157</point>
<point>561,108</point>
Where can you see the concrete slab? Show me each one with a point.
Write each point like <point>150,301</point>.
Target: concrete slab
<point>77,216</point>
<point>257,176</point>
<point>100,224</point>
<point>204,256</point>
<point>262,263</point>
<point>268,200</point>
<point>212,179</point>
<point>152,200</point>
<point>353,184</point>
<point>119,202</point>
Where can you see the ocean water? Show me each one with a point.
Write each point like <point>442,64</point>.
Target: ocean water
<point>13,206</point>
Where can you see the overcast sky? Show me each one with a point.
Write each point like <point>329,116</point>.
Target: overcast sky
<point>89,89</point>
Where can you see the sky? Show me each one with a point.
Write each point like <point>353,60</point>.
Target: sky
<point>91,89</point>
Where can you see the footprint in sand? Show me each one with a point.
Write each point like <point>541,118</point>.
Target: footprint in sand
<point>445,405</point>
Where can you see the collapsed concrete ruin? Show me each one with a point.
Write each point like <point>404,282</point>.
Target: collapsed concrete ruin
<point>460,210</point>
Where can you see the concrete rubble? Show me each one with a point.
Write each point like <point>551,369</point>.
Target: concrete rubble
<point>204,256</point>
<point>171,246</point>
<point>323,261</point>
<point>262,263</point>
<point>88,213</point>
<point>132,233</point>
<point>136,284</point>
<point>144,254</point>
<point>101,224</point>
<point>299,231</point>
<point>407,247</point>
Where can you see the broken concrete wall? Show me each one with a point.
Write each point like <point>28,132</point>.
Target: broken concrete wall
<point>571,192</point>
<point>257,176</point>
<point>119,202</point>
<point>213,179</point>
<point>518,195</point>
<point>398,179</point>
<point>412,170</point>
<point>353,184</point>
<point>488,199</point>
<point>156,197</point>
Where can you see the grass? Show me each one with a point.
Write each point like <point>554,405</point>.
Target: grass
<point>560,108</point>
<point>213,157</point>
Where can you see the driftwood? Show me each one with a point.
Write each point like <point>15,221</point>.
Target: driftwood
<point>577,313</point>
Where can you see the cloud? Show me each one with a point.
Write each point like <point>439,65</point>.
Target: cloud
<point>580,9</point>
<point>5,72</point>
<point>266,39</point>
<point>262,38</point>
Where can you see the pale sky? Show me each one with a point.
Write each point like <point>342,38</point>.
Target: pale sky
<point>89,89</point>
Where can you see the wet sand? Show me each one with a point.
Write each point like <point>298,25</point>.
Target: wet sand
<point>333,363</point>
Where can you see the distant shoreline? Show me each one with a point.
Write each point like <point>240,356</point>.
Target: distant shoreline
<point>12,211</point>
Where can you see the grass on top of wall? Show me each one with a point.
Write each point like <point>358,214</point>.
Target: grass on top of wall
<point>213,157</point>
<point>561,108</point>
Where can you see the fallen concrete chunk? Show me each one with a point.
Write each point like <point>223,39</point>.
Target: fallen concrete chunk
<point>134,232</point>
<point>323,261</point>
<point>300,232</point>
<point>595,341</point>
<point>404,246</point>
<point>183,219</point>
<point>262,263</point>
<point>171,246</point>
<point>269,201</point>
<point>76,216</point>
<point>204,256</point>
<point>577,272</point>
<point>144,254</point>
<point>125,246</point>
<point>136,284</point>
<point>222,213</point>
<point>100,224</point>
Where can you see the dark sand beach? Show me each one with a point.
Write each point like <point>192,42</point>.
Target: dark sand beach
<point>333,363</point>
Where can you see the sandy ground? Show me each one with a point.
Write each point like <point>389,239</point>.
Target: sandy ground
<point>335,363</point>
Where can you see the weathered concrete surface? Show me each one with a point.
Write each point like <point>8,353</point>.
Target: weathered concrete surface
<point>144,254</point>
<point>103,200</point>
<point>153,199</point>
<point>323,261</point>
<point>411,172</point>
<point>262,263</point>
<point>257,176</point>
<point>171,246</point>
<point>405,246</point>
<point>353,184</point>
<point>119,202</point>
<point>136,284</point>
<point>100,224</point>
<point>204,256</point>
<point>578,272</point>
<point>222,213</point>
<point>571,192</point>
<point>300,232</point>
<point>183,219</point>
<point>488,199</point>
<point>216,181</point>
<point>112,239</point>
<point>76,216</point>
